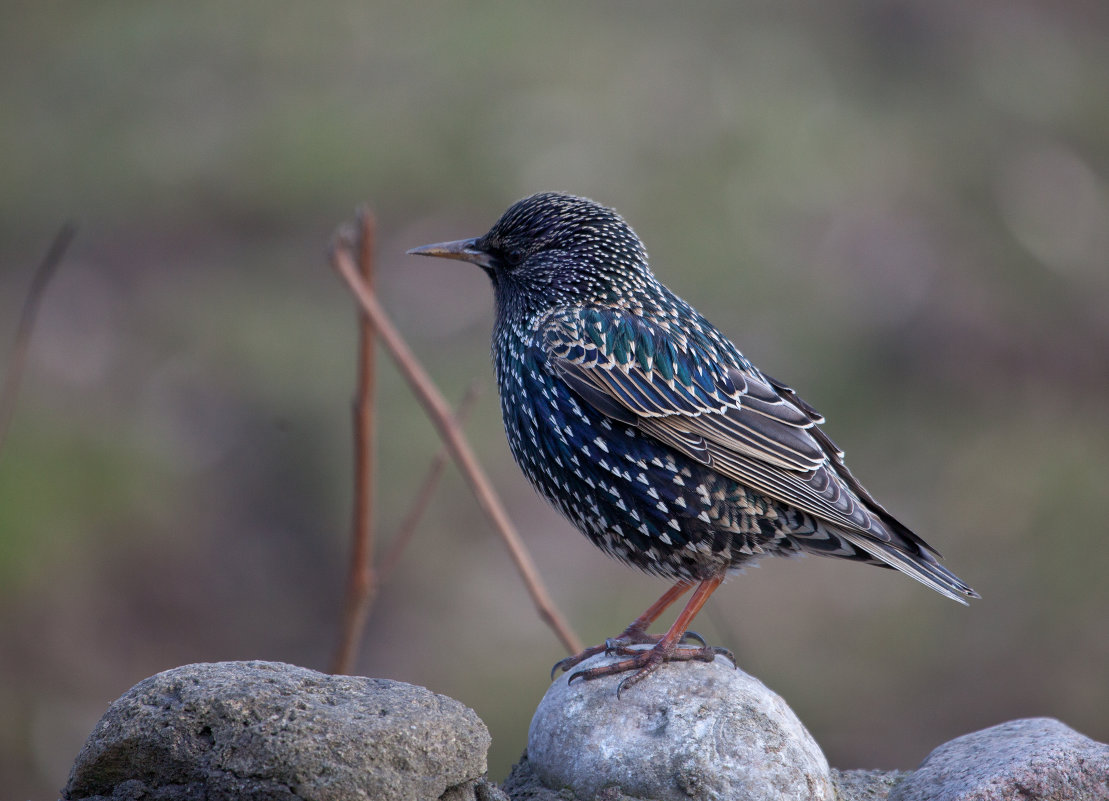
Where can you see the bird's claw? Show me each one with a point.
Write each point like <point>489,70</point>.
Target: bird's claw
<point>576,659</point>
<point>718,650</point>
<point>630,636</point>
<point>645,662</point>
<point>692,636</point>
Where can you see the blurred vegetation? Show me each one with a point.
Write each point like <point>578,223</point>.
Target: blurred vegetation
<point>901,208</point>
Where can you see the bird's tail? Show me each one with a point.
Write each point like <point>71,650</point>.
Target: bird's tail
<point>921,566</point>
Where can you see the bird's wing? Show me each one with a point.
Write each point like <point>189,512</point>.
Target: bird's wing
<point>699,396</point>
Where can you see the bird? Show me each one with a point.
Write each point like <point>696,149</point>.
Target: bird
<point>650,431</point>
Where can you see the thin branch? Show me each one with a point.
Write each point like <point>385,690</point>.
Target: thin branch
<point>41,279</point>
<point>423,495</point>
<point>361,578</point>
<point>441,416</point>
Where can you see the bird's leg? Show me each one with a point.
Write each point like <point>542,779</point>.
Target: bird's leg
<point>667,649</point>
<point>636,632</point>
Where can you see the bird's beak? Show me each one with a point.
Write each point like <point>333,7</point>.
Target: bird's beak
<point>461,249</point>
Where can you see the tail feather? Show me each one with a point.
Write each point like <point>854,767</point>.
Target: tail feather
<point>923,567</point>
<point>901,553</point>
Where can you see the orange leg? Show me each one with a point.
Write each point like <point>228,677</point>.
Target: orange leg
<point>661,605</point>
<point>667,648</point>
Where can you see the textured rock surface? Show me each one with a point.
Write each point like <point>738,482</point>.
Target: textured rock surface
<point>264,730</point>
<point>1035,758</point>
<point>523,785</point>
<point>691,730</point>
<point>865,785</point>
<point>850,785</point>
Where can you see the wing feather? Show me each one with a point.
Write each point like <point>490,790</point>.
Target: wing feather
<point>711,405</point>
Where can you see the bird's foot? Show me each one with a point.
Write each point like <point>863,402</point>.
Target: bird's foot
<point>613,645</point>
<point>646,661</point>
<point>631,636</point>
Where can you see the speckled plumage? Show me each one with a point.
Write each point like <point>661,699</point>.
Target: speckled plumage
<point>646,427</point>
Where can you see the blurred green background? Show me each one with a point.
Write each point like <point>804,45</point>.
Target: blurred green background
<point>901,208</point>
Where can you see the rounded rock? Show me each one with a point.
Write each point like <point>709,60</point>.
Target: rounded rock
<point>690,730</point>
<point>1027,758</point>
<point>266,730</point>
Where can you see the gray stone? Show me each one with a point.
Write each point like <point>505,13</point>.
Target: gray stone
<point>849,785</point>
<point>691,730</point>
<point>264,730</point>
<point>523,785</point>
<point>865,785</point>
<point>1030,759</point>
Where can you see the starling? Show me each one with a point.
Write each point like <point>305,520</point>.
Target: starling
<point>650,431</point>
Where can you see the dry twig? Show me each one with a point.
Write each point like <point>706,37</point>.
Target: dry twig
<point>43,273</point>
<point>361,578</point>
<point>444,421</point>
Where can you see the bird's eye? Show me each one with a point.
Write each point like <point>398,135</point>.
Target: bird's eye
<point>514,255</point>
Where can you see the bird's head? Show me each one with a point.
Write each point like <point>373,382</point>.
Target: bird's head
<point>552,249</point>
